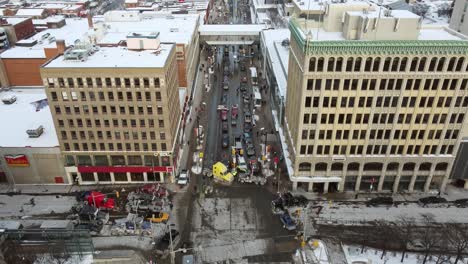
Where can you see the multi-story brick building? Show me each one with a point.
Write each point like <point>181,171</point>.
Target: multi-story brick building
<point>375,101</point>
<point>116,111</point>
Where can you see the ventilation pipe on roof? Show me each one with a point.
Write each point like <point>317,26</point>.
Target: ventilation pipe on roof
<point>60,43</point>
<point>90,21</point>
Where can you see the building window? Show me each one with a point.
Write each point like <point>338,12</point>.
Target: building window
<point>320,64</point>
<point>305,166</point>
<point>312,64</point>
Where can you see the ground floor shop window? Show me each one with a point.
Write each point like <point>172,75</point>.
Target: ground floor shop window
<point>154,177</point>
<point>119,176</point>
<point>104,177</point>
<point>404,183</point>
<point>388,183</point>
<point>87,177</point>
<point>137,177</point>
<point>419,183</point>
<point>350,183</point>
<point>369,183</point>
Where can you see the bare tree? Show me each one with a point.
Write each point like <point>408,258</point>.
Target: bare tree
<point>404,232</point>
<point>457,238</point>
<point>385,235</point>
<point>430,237</point>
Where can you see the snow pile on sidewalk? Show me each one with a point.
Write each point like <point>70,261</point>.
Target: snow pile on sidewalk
<point>354,214</point>
<point>22,205</point>
<point>373,256</point>
<point>75,259</point>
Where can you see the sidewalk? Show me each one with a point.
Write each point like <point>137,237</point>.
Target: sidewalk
<point>452,193</point>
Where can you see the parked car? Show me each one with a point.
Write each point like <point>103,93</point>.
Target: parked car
<point>225,126</point>
<point>248,117</point>
<point>247,137</point>
<point>225,140</point>
<point>242,67</point>
<point>383,200</point>
<point>247,127</point>
<point>226,86</point>
<point>234,111</point>
<point>233,122</point>
<point>241,164</point>
<point>461,202</point>
<point>157,217</point>
<point>432,200</point>
<point>244,79</point>
<point>224,114</point>
<point>184,177</point>
<point>287,221</point>
<point>250,150</point>
<point>243,87</point>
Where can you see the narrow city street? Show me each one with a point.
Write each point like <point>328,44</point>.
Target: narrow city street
<point>233,223</point>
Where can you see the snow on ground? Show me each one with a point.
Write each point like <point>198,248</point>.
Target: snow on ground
<point>351,214</point>
<point>373,256</point>
<point>20,205</point>
<point>75,259</point>
<point>227,229</point>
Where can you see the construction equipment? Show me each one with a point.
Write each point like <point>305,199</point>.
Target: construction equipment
<point>222,174</point>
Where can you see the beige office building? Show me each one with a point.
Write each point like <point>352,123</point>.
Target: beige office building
<point>458,20</point>
<point>116,110</point>
<point>375,101</point>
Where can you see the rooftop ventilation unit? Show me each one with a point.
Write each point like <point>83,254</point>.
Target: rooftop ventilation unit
<point>36,132</point>
<point>9,99</point>
<point>285,42</point>
<point>174,30</point>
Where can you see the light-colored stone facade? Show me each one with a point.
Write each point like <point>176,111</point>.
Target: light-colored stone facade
<point>375,115</point>
<point>116,124</point>
<point>458,20</point>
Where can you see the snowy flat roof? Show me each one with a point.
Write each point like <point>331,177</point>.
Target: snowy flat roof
<point>315,5</point>
<point>74,29</point>
<point>16,20</point>
<point>117,57</point>
<point>278,55</point>
<point>22,115</point>
<point>178,28</point>
<point>30,12</point>
<point>47,20</point>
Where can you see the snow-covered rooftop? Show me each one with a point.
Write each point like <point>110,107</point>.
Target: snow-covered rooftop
<point>23,115</point>
<point>51,19</point>
<point>315,5</point>
<point>117,57</point>
<point>175,28</point>
<point>16,20</point>
<point>278,55</point>
<point>30,12</point>
<point>73,30</point>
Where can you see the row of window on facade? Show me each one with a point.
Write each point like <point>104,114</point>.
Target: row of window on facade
<point>78,122</point>
<point>376,149</point>
<point>373,166</point>
<point>67,146</point>
<point>385,101</point>
<point>111,96</point>
<point>379,134</point>
<point>108,109</point>
<point>112,135</point>
<point>388,64</point>
<point>385,84</point>
<point>116,160</point>
<point>377,118</point>
<point>79,82</point>
<point>122,177</point>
